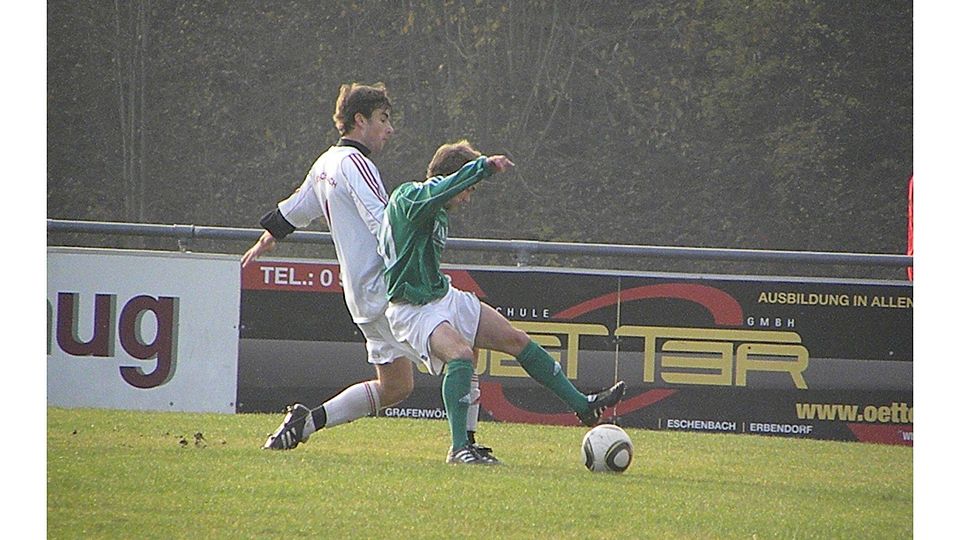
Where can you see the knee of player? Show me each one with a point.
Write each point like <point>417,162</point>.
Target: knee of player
<point>464,352</point>
<point>516,341</point>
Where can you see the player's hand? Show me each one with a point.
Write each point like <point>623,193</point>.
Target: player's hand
<point>500,163</point>
<point>263,245</point>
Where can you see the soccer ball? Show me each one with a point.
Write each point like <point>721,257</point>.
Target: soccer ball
<point>606,448</point>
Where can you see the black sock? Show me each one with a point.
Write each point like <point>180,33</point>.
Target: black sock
<point>319,417</point>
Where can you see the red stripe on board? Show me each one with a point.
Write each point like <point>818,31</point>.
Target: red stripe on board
<point>883,433</point>
<point>286,276</point>
<point>462,280</point>
<point>368,176</point>
<point>724,308</point>
<point>496,403</point>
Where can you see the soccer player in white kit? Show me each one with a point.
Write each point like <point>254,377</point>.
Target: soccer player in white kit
<point>344,187</point>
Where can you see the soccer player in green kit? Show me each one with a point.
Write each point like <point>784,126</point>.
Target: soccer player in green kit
<point>444,324</point>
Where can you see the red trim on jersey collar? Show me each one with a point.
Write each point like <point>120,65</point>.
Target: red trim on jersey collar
<point>350,142</point>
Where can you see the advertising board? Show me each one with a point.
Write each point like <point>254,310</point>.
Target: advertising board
<point>828,359</point>
<point>143,331</point>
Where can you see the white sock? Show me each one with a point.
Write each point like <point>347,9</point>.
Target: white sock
<point>473,411</point>
<point>357,401</point>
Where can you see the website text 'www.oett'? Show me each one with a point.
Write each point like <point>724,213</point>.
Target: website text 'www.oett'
<point>894,413</point>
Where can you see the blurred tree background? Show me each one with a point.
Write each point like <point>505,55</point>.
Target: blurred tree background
<point>770,124</point>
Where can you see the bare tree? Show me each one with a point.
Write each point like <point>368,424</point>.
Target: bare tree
<point>129,59</point>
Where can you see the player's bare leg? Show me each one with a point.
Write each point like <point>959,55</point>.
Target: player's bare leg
<point>393,384</point>
<point>395,381</point>
<point>495,332</point>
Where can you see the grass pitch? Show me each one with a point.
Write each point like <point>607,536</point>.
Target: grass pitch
<point>122,474</point>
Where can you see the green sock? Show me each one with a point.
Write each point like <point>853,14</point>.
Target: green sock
<point>456,398</point>
<point>546,371</point>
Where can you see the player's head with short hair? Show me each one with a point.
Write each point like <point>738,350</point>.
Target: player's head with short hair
<point>358,98</point>
<point>450,157</point>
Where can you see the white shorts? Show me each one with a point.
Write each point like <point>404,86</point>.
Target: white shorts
<point>412,324</point>
<point>382,347</point>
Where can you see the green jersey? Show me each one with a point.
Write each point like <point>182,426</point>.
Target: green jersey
<point>414,232</point>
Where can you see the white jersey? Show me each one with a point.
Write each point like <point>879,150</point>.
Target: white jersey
<point>345,187</point>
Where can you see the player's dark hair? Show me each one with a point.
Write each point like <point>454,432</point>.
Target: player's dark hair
<point>450,157</point>
<point>358,98</point>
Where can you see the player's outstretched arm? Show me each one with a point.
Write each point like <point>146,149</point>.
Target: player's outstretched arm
<point>266,243</point>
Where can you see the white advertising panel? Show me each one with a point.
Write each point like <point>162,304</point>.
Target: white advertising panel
<point>142,330</point>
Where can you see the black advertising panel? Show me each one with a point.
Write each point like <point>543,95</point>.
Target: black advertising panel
<point>769,356</point>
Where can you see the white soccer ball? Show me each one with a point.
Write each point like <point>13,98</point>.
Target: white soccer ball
<point>606,448</point>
